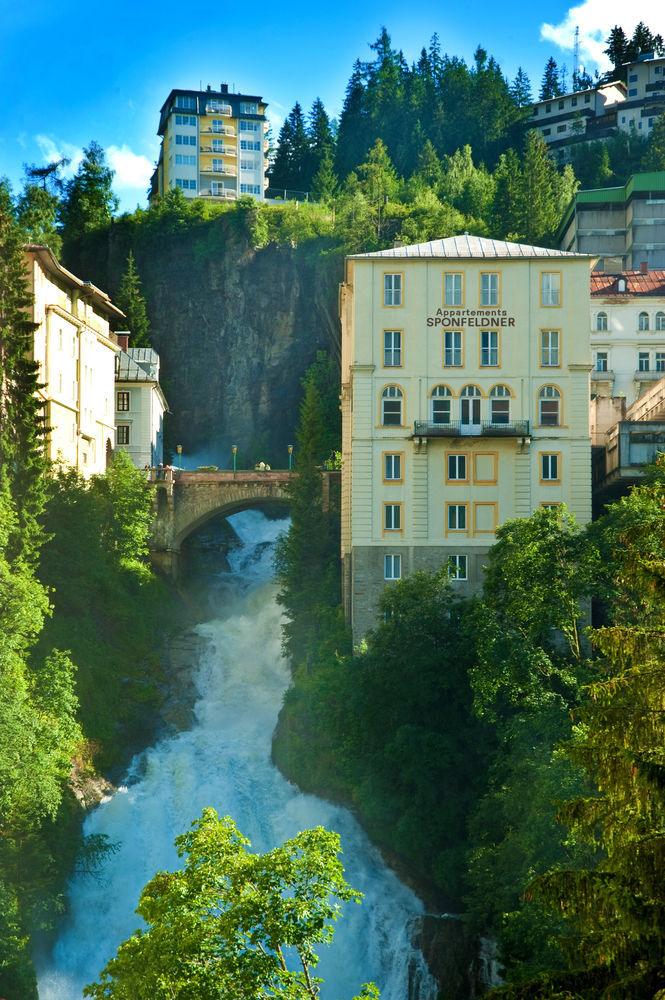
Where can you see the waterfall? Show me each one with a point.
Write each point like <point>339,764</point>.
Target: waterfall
<point>224,761</point>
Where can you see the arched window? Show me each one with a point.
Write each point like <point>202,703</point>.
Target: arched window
<point>470,406</point>
<point>660,321</point>
<point>500,404</point>
<point>549,406</point>
<point>391,406</point>
<point>440,397</point>
<point>643,321</point>
<point>601,321</point>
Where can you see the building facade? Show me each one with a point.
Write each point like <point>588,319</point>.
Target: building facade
<point>623,226</point>
<point>75,350</point>
<point>465,402</point>
<point>139,404</point>
<point>214,145</point>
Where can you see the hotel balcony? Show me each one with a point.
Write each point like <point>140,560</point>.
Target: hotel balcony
<point>215,108</point>
<point>207,129</point>
<point>226,171</point>
<point>514,428</point>
<point>225,195</point>
<point>227,151</point>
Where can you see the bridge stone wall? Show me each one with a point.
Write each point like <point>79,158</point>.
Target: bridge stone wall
<point>184,501</point>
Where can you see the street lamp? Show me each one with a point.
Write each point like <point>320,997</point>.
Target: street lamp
<point>290,456</point>
<point>234,449</point>
<point>179,450</point>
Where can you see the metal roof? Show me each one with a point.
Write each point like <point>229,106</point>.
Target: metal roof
<point>467,246</point>
<point>127,370</point>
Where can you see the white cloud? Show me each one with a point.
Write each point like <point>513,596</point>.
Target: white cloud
<point>53,150</point>
<point>132,170</point>
<point>595,19</point>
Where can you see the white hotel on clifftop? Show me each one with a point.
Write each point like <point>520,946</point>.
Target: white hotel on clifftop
<point>465,402</point>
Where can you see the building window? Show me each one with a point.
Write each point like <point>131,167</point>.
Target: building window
<point>249,108</point>
<point>456,516</point>
<point>489,348</point>
<point>643,361</point>
<point>453,289</point>
<point>452,349</point>
<point>660,320</point>
<point>549,468</point>
<point>548,107</point>
<point>550,288</point>
<point>391,406</point>
<point>185,183</point>
<point>547,131</point>
<point>632,92</point>
<point>601,321</point>
<point>587,98</point>
<point>392,516</point>
<point>457,568</point>
<point>248,126</point>
<point>122,434</point>
<point>188,103</point>
<point>392,289</point>
<point>549,348</point>
<point>660,361</point>
<point>456,468</point>
<point>643,321</point>
<point>549,406</point>
<point>249,144</point>
<point>489,289</point>
<point>601,361</point>
<point>392,467</point>
<point>122,401</point>
<point>185,140</point>
<point>185,120</point>
<point>470,405</point>
<point>573,102</point>
<point>632,78</point>
<point>500,404</point>
<point>392,348</point>
<point>440,397</point>
<point>392,567</point>
<point>561,104</point>
<point>250,189</point>
<point>561,128</point>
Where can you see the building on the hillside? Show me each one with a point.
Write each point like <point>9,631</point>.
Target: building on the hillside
<point>623,226</point>
<point>214,145</point>
<point>139,404</point>
<point>75,350</point>
<point>602,111</point>
<point>465,401</point>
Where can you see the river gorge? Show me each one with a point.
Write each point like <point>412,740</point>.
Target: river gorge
<point>223,760</point>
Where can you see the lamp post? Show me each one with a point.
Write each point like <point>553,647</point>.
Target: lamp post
<point>290,456</point>
<point>179,450</point>
<point>234,449</point>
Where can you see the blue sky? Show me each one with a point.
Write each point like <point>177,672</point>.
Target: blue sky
<point>72,72</point>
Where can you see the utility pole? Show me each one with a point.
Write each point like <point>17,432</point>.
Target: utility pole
<point>576,58</point>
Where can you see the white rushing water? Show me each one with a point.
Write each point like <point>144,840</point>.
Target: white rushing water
<point>224,761</point>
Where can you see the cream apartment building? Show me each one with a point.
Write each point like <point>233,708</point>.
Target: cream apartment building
<point>465,402</point>
<point>75,349</point>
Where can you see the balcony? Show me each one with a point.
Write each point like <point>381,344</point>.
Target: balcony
<point>227,194</point>
<point>215,108</point>
<point>225,151</point>
<point>224,170</point>
<point>217,130</point>
<point>514,428</point>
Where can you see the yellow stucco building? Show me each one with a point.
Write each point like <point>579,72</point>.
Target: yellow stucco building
<point>465,402</point>
<point>75,349</point>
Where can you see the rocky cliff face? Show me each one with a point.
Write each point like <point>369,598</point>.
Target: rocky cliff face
<point>236,328</point>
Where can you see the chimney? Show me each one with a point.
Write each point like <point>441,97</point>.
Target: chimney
<point>644,267</point>
<point>122,336</point>
<point>225,88</point>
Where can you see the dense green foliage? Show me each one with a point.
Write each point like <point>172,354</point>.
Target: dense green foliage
<point>232,923</point>
<point>128,297</point>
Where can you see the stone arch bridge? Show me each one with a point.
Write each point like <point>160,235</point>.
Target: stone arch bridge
<point>185,501</point>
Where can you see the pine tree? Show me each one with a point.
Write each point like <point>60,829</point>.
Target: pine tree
<point>37,214</point>
<point>550,87</point>
<point>654,158</point>
<point>354,133</point>
<point>22,420</point>
<point>88,202</point>
<point>320,138</point>
<point>325,183</point>
<point>617,52</point>
<point>129,299</point>
<point>289,170</point>
<point>520,89</point>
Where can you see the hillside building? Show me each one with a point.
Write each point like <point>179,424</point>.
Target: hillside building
<point>622,226</point>
<point>214,145</point>
<point>602,111</point>
<point>465,402</point>
<point>75,350</point>
<point>139,404</point>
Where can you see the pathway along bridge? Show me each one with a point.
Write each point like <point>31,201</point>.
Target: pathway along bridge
<point>185,501</point>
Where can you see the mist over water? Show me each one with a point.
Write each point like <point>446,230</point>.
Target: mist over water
<point>224,761</point>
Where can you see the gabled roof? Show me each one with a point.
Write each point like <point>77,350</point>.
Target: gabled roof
<point>51,266</point>
<point>637,283</point>
<point>467,247</point>
<point>127,369</point>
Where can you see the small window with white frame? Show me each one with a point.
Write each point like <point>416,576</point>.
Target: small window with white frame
<point>660,361</point>
<point>500,404</point>
<point>452,349</point>
<point>392,566</point>
<point>457,467</point>
<point>550,288</point>
<point>457,567</point>
<point>392,348</point>
<point>601,361</point>
<point>549,349</point>
<point>391,406</point>
<point>660,321</point>
<point>643,321</point>
<point>392,467</point>
<point>489,348</point>
<point>392,516</point>
<point>457,516</point>
<point>549,406</point>
<point>453,289</point>
<point>392,289</point>
<point>440,399</point>
<point>601,322</point>
<point>550,467</point>
<point>643,361</point>
<point>489,288</point>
